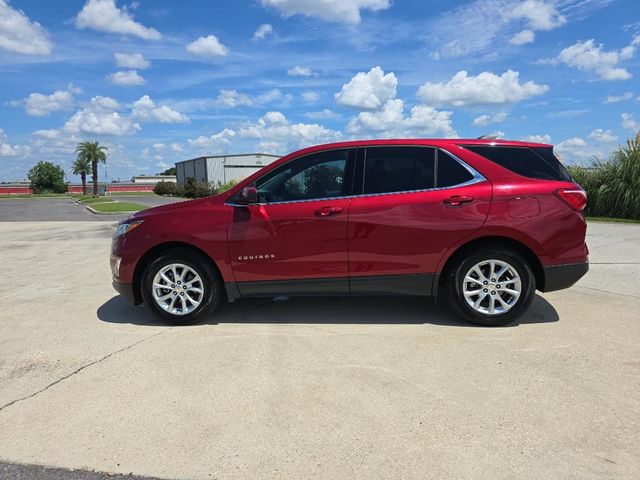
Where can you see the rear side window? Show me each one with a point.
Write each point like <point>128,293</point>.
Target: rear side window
<point>398,169</point>
<point>450,172</point>
<point>538,162</point>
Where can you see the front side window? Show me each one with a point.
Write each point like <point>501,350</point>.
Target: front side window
<point>315,176</point>
<point>398,169</point>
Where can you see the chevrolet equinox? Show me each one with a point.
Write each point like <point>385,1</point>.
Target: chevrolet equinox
<point>484,223</point>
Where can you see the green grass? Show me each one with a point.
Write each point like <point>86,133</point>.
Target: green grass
<point>35,196</point>
<point>92,200</point>
<point>614,220</point>
<point>115,207</point>
<point>116,194</point>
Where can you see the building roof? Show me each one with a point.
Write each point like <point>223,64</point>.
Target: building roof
<point>232,155</point>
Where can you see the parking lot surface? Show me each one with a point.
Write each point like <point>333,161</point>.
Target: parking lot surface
<point>314,388</point>
<point>65,209</point>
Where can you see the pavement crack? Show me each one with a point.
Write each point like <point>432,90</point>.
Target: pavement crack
<point>79,369</point>
<point>606,291</point>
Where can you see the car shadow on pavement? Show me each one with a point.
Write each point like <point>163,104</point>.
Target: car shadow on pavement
<point>325,310</point>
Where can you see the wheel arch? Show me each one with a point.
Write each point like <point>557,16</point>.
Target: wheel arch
<point>153,253</point>
<point>523,249</point>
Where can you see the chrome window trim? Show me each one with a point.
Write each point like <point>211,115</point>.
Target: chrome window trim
<point>477,178</point>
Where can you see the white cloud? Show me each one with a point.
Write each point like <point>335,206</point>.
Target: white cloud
<point>51,133</point>
<point>233,98</point>
<point>8,150</point>
<point>299,71</point>
<point>537,14</point>
<point>145,109</point>
<point>629,122</point>
<point>546,138</point>
<point>21,35</point>
<point>579,150</point>
<point>176,147</point>
<point>310,96</point>
<point>126,78</point>
<point>485,25</point>
<point>589,57</point>
<point>40,105</point>
<point>484,120</point>
<point>100,116</point>
<point>262,31</point>
<point>484,89</point>
<point>105,16</point>
<point>214,143</point>
<point>605,136</point>
<point>322,114</point>
<point>343,11</point>
<point>619,98</point>
<point>208,46</point>
<point>523,37</point>
<point>131,60</point>
<point>390,121</point>
<point>368,91</point>
<point>275,96</point>
<point>275,133</point>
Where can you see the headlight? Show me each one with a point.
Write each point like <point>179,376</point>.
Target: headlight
<point>127,226</point>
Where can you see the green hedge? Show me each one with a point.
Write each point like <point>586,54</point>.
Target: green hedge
<point>613,186</point>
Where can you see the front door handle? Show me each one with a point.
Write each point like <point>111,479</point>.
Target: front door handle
<point>326,211</point>
<point>457,200</point>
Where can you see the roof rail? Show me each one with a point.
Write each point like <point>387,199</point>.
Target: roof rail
<point>489,136</point>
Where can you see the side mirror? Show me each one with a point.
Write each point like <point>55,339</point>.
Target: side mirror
<point>248,195</point>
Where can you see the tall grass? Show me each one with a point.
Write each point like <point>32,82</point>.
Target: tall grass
<point>613,186</point>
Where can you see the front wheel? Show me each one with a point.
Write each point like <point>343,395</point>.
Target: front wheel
<point>491,287</point>
<point>181,287</point>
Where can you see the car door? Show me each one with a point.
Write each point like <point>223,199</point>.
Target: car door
<point>414,203</point>
<point>295,240</point>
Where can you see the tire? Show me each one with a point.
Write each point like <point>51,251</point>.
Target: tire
<point>457,284</point>
<point>184,272</point>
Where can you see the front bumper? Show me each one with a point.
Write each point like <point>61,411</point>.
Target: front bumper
<point>126,290</point>
<point>557,277</point>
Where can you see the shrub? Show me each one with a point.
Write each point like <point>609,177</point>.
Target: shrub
<point>613,186</point>
<point>223,187</point>
<point>195,189</point>
<point>46,177</point>
<point>167,188</point>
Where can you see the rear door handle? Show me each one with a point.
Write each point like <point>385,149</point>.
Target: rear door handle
<point>326,211</point>
<point>457,200</point>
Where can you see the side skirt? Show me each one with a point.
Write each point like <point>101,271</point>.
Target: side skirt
<point>416,285</point>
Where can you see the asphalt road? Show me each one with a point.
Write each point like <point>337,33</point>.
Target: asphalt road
<point>64,209</point>
<point>313,388</point>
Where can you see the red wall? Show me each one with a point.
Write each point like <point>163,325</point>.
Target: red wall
<point>5,190</point>
<point>127,187</point>
<point>132,187</point>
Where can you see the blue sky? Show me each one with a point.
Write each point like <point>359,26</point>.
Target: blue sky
<point>160,81</point>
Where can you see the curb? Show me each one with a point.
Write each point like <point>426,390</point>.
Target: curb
<point>95,212</point>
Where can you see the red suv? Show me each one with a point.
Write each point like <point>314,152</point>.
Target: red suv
<point>484,222</point>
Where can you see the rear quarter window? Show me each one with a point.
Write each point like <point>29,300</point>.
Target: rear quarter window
<point>532,162</point>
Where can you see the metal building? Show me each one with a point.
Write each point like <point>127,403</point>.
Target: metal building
<point>222,168</point>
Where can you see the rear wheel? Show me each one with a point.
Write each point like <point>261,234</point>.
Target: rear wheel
<point>181,287</point>
<point>492,286</point>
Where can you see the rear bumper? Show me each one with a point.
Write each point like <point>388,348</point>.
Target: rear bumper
<point>557,277</point>
<point>126,290</point>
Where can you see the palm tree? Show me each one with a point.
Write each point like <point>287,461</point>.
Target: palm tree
<point>81,166</point>
<point>94,153</point>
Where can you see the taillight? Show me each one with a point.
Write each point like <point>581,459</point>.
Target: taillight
<point>576,198</point>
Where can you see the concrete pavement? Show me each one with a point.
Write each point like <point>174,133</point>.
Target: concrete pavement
<point>65,209</point>
<point>314,388</point>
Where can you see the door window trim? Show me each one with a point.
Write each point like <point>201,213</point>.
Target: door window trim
<point>477,177</point>
<point>358,167</point>
<point>348,176</point>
